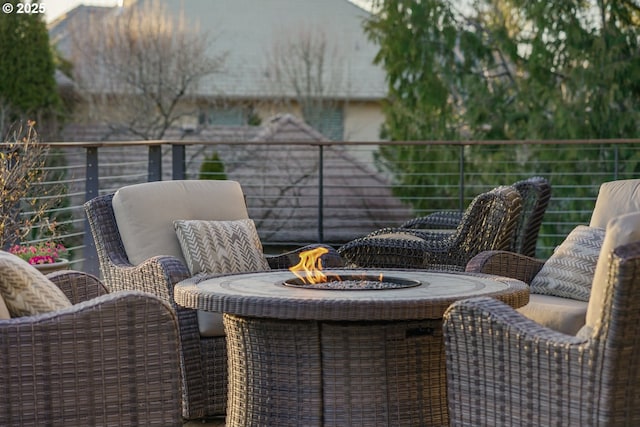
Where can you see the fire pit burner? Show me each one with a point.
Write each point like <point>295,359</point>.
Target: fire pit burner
<point>354,282</point>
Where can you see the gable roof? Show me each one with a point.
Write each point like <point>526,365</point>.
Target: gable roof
<point>280,181</point>
<point>247,30</point>
<point>58,28</point>
<point>357,199</point>
<point>288,128</point>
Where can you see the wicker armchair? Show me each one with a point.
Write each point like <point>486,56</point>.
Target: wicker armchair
<point>109,360</point>
<point>504,369</point>
<point>563,314</point>
<point>488,223</point>
<point>535,193</point>
<point>203,359</point>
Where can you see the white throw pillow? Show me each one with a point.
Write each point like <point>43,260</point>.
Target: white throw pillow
<point>568,273</point>
<point>25,290</point>
<point>221,246</point>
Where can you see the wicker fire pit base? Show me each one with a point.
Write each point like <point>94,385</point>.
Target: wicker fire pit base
<point>308,373</point>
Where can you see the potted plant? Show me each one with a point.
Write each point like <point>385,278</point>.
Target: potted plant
<point>26,226</point>
<point>45,256</point>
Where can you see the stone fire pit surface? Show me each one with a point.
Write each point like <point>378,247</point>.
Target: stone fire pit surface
<point>263,294</point>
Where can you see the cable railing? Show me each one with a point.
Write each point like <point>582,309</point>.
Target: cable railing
<point>304,192</point>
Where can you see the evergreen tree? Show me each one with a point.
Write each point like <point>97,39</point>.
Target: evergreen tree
<point>27,82</point>
<point>505,70</point>
<point>28,94</point>
<point>212,167</point>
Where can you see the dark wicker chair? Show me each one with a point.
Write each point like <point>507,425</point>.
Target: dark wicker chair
<point>203,359</point>
<point>535,193</point>
<point>506,370</point>
<point>488,223</point>
<point>109,360</point>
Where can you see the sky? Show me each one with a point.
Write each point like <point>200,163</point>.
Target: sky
<point>55,8</point>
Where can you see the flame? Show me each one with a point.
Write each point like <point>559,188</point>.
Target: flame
<point>311,264</point>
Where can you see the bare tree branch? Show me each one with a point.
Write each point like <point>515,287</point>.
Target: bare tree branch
<point>137,69</point>
<point>303,65</point>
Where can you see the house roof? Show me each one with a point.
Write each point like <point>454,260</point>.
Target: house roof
<point>357,199</point>
<point>59,27</point>
<point>280,181</point>
<point>247,31</point>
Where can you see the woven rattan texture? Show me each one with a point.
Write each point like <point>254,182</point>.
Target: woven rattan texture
<point>293,373</point>
<point>109,360</point>
<point>507,264</point>
<point>157,276</point>
<point>203,360</point>
<point>506,370</point>
<point>535,193</point>
<point>489,223</point>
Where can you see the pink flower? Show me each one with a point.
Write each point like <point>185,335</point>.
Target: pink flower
<point>41,259</point>
<point>40,253</point>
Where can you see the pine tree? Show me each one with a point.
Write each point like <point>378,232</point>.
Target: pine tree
<point>27,81</point>
<point>212,167</point>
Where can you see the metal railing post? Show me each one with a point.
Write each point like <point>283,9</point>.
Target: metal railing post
<point>461,205</point>
<point>90,264</point>
<point>321,194</point>
<point>155,163</point>
<point>616,162</point>
<point>178,161</point>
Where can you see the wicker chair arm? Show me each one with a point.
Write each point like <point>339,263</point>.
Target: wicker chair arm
<point>386,252</point>
<point>78,286</point>
<point>503,263</point>
<point>331,259</point>
<point>443,220</point>
<point>431,235</point>
<point>420,249</point>
<point>484,334</point>
<point>156,275</point>
<point>98,362</point>
<point>494,318</point>
<point>446,237</point>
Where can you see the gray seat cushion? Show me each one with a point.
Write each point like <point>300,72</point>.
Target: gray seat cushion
<point>561,314</point>
<point>145,213</point>
<point>621,230</point>
<point>615,198</point>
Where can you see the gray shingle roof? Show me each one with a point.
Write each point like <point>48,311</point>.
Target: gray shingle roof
<point>248,29</point>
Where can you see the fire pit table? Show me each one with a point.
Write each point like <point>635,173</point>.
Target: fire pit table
<point>344,356</point>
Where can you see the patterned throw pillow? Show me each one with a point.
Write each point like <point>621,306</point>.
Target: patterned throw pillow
<point>25,290</point>
<point>221,246</point>
<point>569,271</point>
